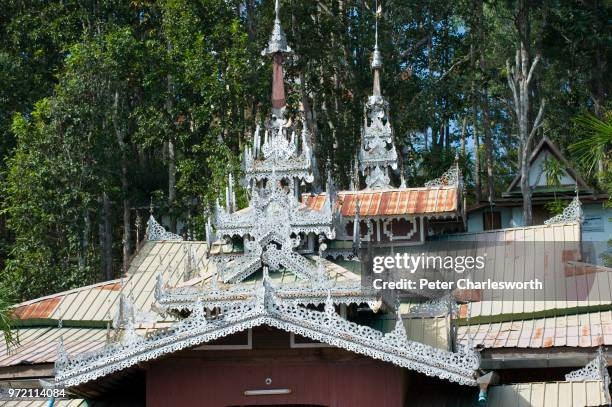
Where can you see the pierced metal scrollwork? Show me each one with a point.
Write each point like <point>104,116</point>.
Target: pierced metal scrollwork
<point>572,213</point>
<point>267,309</point>
<point>450,177</point>
<point>377,152</point>
<point>597,369</point>
<point>155,231</point>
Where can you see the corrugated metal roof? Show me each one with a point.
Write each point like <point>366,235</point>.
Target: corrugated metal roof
<point>390,202</point>
<point>39,345</point>
<point>98,302</point>
<point>581,330</point>
<point>548,253</point>
<point>39,309</point>
<point>549,394</point>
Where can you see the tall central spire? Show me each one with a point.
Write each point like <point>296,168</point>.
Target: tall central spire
<point>278,49</point>
<point>376,58</point>
<point>377,153</point>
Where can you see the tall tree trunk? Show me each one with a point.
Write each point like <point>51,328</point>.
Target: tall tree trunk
<point>598,94</point>
<point>83,255</point>
<point>484,103</point>
<point>172,181</point>
<point>463,133</point>
<point>488,142</point>
<point>250,14</point>
<point>473,91</point>
<point>120,130</point>
<point>519,80</point>
<point>171,138</point>
<point>106,238</point>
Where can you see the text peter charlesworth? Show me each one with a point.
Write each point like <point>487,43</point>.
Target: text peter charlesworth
<point>458,264</point>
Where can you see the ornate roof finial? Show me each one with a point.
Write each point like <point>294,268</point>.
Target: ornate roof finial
<point>277,48</point>
<point>278,39</point>
<point>376,56</point>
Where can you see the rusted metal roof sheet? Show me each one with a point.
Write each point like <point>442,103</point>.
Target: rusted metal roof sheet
<point>392,202</point>
<point>38,309</point>
<point>39,345</point>
<point>98,302</point>
<point>581,330</point>
<point>549,394</point>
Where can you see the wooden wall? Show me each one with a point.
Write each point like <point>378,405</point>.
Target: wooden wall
<point>316,376</point>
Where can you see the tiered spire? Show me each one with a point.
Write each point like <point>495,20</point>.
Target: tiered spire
<point>278,163</point>
<point>278,49</point>
<point>377,152</point>
<point>277,149</point>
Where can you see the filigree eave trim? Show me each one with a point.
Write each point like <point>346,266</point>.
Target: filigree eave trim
<point>450,177</point>
<point>187,297</point>
<point>155,231</point>
<point>458,373</point>
<point>571,214</point>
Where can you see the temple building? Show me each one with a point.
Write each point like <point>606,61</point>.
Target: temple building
<point>276,306</point>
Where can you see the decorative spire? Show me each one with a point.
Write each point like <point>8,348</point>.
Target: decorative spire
<point>376,57</point>
<point>277,48</point>
<point>377,152</point>
<point>278,39</point>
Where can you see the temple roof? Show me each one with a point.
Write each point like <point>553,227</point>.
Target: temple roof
<point>442,200</point>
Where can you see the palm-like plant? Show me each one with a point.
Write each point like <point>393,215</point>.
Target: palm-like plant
<point>6,329</point>
<point>594,148</point>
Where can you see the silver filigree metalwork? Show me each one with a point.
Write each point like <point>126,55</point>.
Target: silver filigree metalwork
<point>267,227</point>
<point>61,362</point>
<point>278,39</point>
<point>445,305</point>
<point>572,213</point>
<point>281,152</point>
<point>311,293</point>
<point>377,150</point>
<point>266,309</point>
<point>128,317</point>
<point>597,369</point>
<point>450,177</point>
<point>155,231</point>
<point>377,179</point>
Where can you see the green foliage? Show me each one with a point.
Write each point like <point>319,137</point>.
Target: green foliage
<point>553,170</point>
<point>90,89</point>
<point>595,147</point>
<point>11,338</point>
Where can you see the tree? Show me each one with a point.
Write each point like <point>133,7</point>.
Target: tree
<point>595,146</point>
<point>520,77</point>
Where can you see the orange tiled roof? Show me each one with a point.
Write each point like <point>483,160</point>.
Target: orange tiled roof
<point>406,201</point>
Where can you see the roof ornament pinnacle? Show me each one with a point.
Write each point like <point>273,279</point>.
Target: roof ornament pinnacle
<point>278,39</point>
<point>377,151</point>
<point>376,56</point>
<point>450,177</point>
<point>62,356</point>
